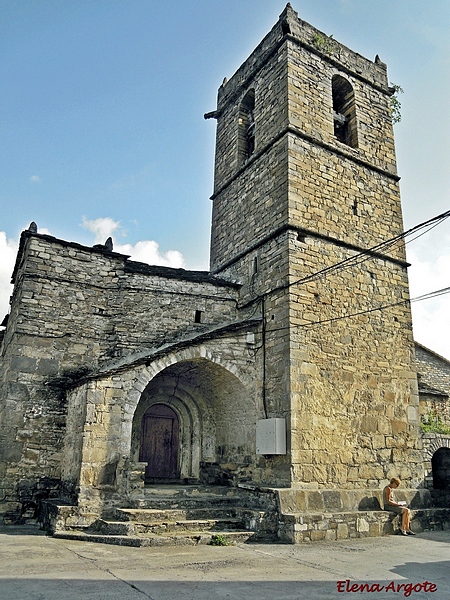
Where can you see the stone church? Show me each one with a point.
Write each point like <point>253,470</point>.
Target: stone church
<point>274,395</point>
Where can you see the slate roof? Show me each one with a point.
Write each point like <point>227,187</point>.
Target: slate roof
<point>433,372</point>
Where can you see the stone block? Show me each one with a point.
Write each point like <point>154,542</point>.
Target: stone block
<point>317,536</point>
<point>17,391</point>
<point>315,501</point>
<point>13,452</point>
<point>332,500</point>
<point>301,502</point>
<point>23,364</point>
<point>342,531</point>
<point>47,366</point>
<point>362,525</point>
<point>398,427</point>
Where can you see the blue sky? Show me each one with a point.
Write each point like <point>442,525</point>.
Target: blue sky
<point>102,129</point>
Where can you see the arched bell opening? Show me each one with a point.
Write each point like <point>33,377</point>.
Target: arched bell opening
<point>344,111</point>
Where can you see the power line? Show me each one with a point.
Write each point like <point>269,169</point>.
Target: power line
<point>428,296</point>
<point>434,294</point>
<point>382,246</point>
<point>361,256</point>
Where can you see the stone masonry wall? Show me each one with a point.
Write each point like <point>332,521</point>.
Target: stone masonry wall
<point>243,214</point>
<point>335,198</point>
<point>354,390</point>
<point>347,384</point>
<point>434,383</point>
<point>311,104</point>
<point>74,308</point>
<point>253,74</point>
<point>214,387</point>
<point>354,387</point>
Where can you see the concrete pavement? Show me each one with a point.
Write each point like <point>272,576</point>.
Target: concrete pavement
<point>36,567</point>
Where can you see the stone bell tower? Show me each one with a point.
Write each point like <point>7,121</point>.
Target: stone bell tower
<point>307,216</point>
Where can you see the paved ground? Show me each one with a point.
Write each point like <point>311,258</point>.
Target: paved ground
<point>36,567</point>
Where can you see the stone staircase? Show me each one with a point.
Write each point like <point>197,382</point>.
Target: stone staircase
<point>206,514</point>
<point>177,515</point>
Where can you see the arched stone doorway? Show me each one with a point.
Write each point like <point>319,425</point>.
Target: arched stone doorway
<point>160,435</point>
<point>212,410</point>
<point>440,464</point>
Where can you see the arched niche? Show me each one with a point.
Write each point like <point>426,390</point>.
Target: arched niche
<point>344,111</point>
<point>246,127</point>
<point>216,417</point>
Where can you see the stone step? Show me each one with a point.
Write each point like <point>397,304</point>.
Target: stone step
<point>147,515</point>
<point>174,515</point>
<point>192,538</point>
<point>191,497</point>
<point>187,503</point>
<point>192,491</point>
<point>263,522</point>
<point>187,497</point>
<point>155,527</point>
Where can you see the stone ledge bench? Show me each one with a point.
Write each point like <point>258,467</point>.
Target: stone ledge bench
<point>315,515</point>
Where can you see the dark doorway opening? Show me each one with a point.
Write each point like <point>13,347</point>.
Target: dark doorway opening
<point>160,443</point>
<point>440,464</point>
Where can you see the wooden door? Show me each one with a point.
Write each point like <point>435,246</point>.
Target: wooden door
<point>160,442</point>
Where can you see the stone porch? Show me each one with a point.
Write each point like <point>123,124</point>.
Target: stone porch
<point>200,514</point>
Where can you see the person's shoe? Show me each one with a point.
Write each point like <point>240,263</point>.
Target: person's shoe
<point>409,532</point>
<point>402,532</point>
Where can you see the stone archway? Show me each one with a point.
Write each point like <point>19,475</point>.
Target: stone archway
<point>436,450</point>
<point>216,418</point>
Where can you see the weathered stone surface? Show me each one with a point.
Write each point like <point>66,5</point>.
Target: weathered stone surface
<point>304,316</point>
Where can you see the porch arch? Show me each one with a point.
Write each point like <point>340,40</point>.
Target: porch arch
<point>216,415</point>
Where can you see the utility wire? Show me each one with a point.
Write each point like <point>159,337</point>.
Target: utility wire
<point>382,246</point>
<point>361,256</point>
<point>428,296</point>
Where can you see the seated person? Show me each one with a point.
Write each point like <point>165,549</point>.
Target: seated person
<point>400,508</point>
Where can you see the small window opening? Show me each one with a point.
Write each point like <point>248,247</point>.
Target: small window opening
<point>355,207</point>
<point>246,135</point>
<point>344,111</point>
<point>255,265</point>
<point>285,28</point>
<point>198,316</point>
<point>301,238</point>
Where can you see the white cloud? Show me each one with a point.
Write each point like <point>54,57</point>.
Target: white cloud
<point>8,251</point>
<point>102,228</point>
<point>35,179</point>
<point>431,318</point>
<point>146,251</point>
